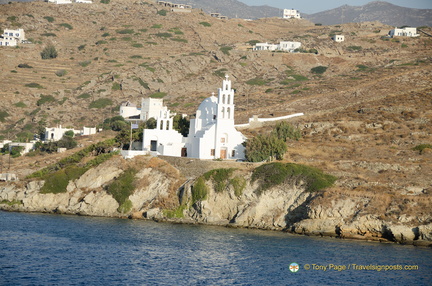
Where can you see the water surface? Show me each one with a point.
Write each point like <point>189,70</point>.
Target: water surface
<point>41,249</point>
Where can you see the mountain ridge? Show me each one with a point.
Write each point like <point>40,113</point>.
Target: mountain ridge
<point>382,11</point>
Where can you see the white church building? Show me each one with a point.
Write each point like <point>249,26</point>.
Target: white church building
<point>212,134</point>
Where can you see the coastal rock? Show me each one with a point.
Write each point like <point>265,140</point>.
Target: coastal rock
<point>425,232</point>
<point>96,177</point>
<point>402,233</point>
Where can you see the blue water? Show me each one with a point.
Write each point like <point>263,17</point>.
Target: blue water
<point>40,249</point>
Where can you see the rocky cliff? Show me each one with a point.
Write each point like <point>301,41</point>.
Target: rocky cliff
<point>162,193</point>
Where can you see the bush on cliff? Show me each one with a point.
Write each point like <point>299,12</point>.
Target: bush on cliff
<point>122,188</point>
<point>98,149</point>
<point>57,182</point>
<point>220,178</point>
<point>199,190</point>
<point>273,174</point>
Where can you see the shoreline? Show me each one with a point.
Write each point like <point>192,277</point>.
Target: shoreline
<point>416,243</point>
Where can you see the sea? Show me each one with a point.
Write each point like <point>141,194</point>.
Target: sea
<point>49,249</point>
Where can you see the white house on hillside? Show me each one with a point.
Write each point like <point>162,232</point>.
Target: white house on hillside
<point>291,13</point>
<point>150,107</point>
<point>282,46</point>
<point>12,37</point>
<point>27,146</point>
<point>128,110</point>
<point>56,133</point>
<point>338,38</point>
<point>404,32</point>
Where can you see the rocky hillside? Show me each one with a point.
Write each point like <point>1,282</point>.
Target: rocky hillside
<point>233,196</point>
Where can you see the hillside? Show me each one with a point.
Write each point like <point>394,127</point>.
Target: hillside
<point>363,115</point>
<point>382,11</point>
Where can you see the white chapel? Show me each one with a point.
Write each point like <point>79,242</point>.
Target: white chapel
<point>212,134</point>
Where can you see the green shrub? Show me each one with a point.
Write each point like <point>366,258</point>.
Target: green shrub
<point>125,207</point>
<point>158,95</point>
<point>58,181</point>
<point>176,31</point>
<point>273,174</point>
<point>101,103</point>
<point>199,190</point>
<point>25,66</point>
<point>422,147</point>
<point>105,35</point>
<point>105,1</point>
<point>354,48</point>
<point>82,47</point>
<point>84,95</point>
<point>49,52</point>
<point>143,83</point>
<point>11,203</point>
<point>163,35</point>
<point>61,73</point>
<point>156,26</point>
<point>49,19</point>
<point>283,130</point>
<point>49,35</point>
<point>66,25</point>
<point>84,63</point>
<point>20,104</point>
<point>101,42</point>
<point>220,178</point>
<point>136,57</point>
<point>116,86</point>
<point>98,149</point>
<point>262,148</point>
<point>175,213</point>
<point>123,186</point>
<point>125,31</point>
<point>225,50</point>
<point>162,12</point>
<point>205,24</point>
<point>45,99</point>
<point>33,85</point>
<point>239,184</point>
<point>137,45</point>
<point>220,72</point>
<point>3,115</point>
<point>15,151</point>
<point>319,70</point>
<point>256,81</point>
